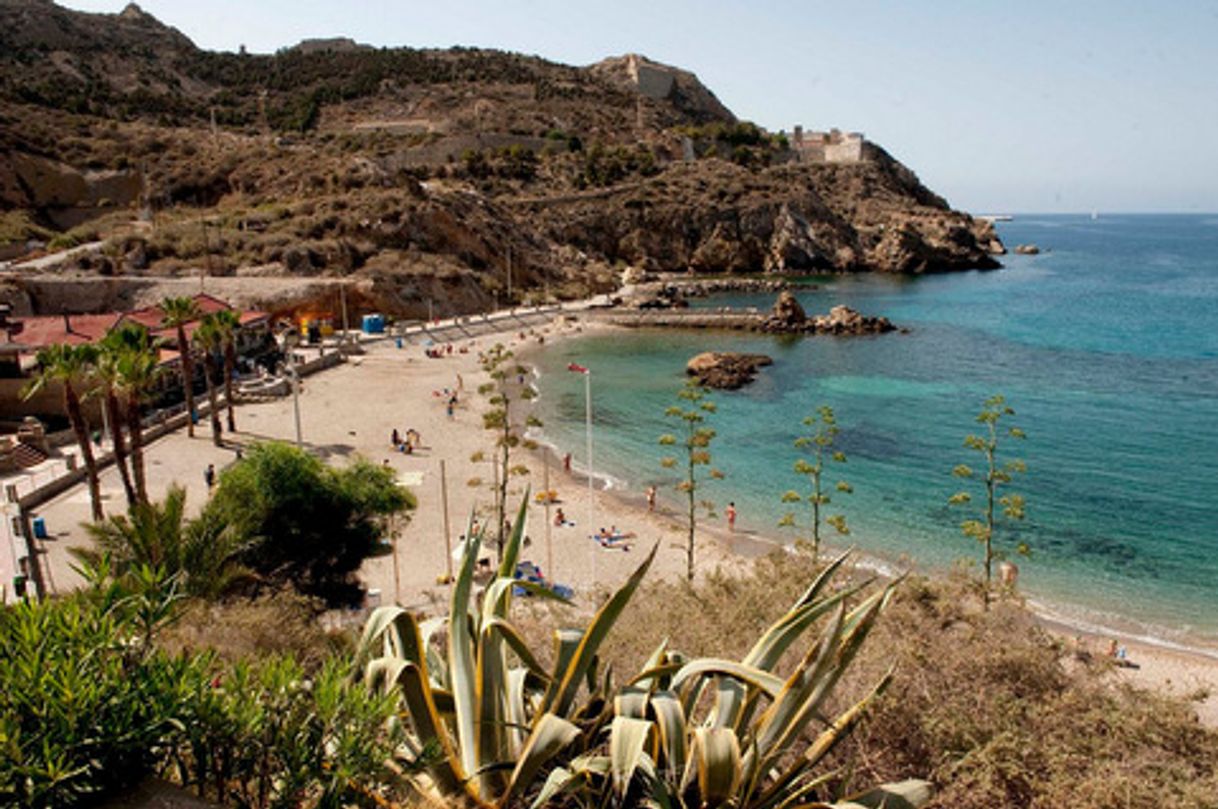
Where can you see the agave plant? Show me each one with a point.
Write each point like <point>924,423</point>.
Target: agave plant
<point>684,733</point>
<point>711,732</point>
<point>490,717</point>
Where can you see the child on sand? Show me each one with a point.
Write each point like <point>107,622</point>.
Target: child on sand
<point>731,516</point>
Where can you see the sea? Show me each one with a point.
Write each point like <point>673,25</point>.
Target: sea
<point>1106,347</point>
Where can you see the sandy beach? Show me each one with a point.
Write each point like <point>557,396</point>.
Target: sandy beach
<point>353,409</point>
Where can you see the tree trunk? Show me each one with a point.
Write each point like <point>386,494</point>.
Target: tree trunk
<point>188,379</point>
<point>81,428</point>
<point>230,365</point>
<point>120,449</point>
<point>136,428</point>
<point>208,363</point>
<point>689,548</point>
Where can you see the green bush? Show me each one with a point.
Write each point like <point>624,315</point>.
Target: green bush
<point>303,523</point>
<point>86,705</point>
<point>266,734</point>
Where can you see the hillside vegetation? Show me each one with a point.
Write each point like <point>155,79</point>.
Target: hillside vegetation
<point>395,165</point>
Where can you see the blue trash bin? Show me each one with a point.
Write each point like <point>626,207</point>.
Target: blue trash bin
<point>40,528</point>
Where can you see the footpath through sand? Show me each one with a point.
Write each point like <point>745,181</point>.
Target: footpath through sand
<point>353,409</point>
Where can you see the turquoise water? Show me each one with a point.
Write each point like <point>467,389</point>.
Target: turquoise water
<point>1106,345</point>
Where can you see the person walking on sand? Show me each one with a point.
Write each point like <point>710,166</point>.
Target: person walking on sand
<point>651,498</point>
<point>566,463</point>
<point>209,476</point>
<point>731,516</point>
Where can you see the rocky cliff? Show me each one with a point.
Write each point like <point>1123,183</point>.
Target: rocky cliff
<point>422,173</point>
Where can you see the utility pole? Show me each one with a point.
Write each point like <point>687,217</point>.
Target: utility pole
<point>342,294</point>
<point>448,554</point>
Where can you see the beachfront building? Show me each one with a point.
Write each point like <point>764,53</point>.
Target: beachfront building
<point>22,338</point>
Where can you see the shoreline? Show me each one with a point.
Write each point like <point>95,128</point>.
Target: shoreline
<point>350,409</point>
<point>1181,668</point>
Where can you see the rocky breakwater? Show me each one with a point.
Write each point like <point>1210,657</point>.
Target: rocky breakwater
<point>726,370</point>
<point>789,317</point>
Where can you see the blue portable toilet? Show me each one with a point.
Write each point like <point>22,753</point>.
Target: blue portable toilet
<point>40,528</point>
<point>374,324</point>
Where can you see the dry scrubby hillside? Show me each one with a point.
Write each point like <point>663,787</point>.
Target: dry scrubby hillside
<point>418,173</point>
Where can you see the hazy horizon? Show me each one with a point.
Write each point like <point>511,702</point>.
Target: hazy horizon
<point>1035,107</point>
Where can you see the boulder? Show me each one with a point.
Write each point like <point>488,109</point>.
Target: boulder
<point>1026,249</point>
<point>844,320</point>
<point>726,370</point>
<point>787,314</point>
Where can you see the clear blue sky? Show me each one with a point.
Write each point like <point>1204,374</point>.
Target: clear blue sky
<point>999,106</point>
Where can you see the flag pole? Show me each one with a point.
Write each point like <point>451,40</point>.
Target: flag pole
<point>592,526</point>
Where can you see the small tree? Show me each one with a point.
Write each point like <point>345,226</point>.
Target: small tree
<point>695,439</point>
<point>819,442</point>
<point>997,476</point>
<point>503,391</point>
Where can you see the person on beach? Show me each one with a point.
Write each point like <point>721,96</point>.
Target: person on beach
<point>566,463</point>
<point>209,476</point>
<point>396,439</point>
<point>651,498</point>
<point>560,519</point>
<point>731,516</point>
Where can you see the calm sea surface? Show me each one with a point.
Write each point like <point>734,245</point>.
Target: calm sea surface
<point>1106,345</point>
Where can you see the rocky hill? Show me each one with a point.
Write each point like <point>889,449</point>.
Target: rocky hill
<point>418,173</point>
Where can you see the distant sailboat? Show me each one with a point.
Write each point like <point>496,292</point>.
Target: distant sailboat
<point>1095,215</point>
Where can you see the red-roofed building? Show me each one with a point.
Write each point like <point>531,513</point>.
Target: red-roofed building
<point>22,338</point>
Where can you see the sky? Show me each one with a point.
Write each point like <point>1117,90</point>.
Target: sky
<point>1000,107</point>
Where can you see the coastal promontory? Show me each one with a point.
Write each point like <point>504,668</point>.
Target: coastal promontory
<point>424,180</point>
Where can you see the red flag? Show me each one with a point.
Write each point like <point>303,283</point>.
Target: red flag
<point>579,369</point>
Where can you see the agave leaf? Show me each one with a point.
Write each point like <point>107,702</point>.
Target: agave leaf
<point>550,735</point>
<point>670,723</point>
<point>632,702</point>
<point>374,632</point>
<point>771,646</point>
<point>461,660</point>
<point>381,674</point>
<point>447,769</point>
<point>782,722</point>
<point>716,755</point>
<point>511,549</point>
<point>517,644</point>
<point>845,723</point>
<point>517,715</point>
<point>491,688</point>
<point>628,739</point>
<point>657,658</point>
<point>902,795</point>
<point>703,667</point>
<point>584,655</point>
<point>729,700</point>
<point>823,579</point>
<point>566,642</point>
<point>559,780</point>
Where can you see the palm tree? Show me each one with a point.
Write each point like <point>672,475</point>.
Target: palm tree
<point>178,312</point>
<point>70,365</point>
<point>138,370</point>
<point>228,322</point>
<point>207,336</point>
<point>202,552</point>
<point>106,372</point>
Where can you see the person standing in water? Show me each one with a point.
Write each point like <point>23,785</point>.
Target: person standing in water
<point>731,516</point>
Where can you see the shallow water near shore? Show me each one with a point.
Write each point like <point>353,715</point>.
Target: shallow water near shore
<point>1107,347</point>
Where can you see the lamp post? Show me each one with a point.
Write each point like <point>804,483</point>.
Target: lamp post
<point>289,343</point>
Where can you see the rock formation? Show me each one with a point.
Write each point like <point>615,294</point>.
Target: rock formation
<point>726,370</point>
